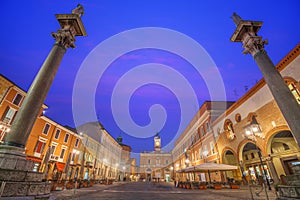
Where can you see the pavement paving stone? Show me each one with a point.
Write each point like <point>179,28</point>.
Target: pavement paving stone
<point>157,191</point>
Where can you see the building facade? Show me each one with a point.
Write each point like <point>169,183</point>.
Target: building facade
<point>250,128</point>
<point>197,144</point>
<point>101,153</point>
<point>154,165</point>
<point>53,147</point>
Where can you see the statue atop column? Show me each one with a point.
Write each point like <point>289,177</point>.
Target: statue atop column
<point>78,10</point>
<point>236,18</point>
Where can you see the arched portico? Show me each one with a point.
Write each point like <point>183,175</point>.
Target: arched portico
<point>283,152</point>
<point>250,161</point>
<point>229,157</point>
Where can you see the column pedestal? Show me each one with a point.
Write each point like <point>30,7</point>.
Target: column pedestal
<point>17,180</point>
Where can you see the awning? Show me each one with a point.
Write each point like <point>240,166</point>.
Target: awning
<point>208,167</point>
<point>34,159</point>
<point>214,167</point>
<point>60,166</point>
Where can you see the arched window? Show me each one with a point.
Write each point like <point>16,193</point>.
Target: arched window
<point>285,146</point>
<point>294,87</point>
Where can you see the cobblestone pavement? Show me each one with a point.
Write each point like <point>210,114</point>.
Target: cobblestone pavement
<point>157,191</point>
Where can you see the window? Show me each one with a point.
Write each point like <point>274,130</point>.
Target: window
<point>73,156</point>
<point>39,147</point>
<point>46,129</point>
<point>17,99</point>
<point>295,91</point>
<point>66,138</point>
<point>157,161</point>
<point>76,142</point>
<point>52,150</point>
<point>285,146</point>
<point>62,153</point>
<point>207,127</point>
<point>202,131</point>
<point>205,151</point>
<point>200,153</point>
<point>149,161</point>
<point>246,157</point>
<point>167,162</point>
<point>57,132</point>
<point>212,149</point>
<point>252,155</point>
<point>8,115</point>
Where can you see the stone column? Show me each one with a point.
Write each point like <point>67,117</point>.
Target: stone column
<point>246,32</point>
<point>71,26</point>
<point>15,171</point>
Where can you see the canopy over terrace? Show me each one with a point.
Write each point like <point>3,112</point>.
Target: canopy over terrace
<point>214,167</point>
<point>208,167</point>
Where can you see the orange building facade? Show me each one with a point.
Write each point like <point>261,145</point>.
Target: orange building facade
<point>54,148</point>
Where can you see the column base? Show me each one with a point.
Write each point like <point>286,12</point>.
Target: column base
<point>17,180</point>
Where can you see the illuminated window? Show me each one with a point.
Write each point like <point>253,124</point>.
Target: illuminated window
<point>200,153</point>
<point>295,91</point>
<point>212,149</point>
<point>8,115</point>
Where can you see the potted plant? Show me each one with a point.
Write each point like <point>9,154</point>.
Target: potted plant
<point>202,186</point>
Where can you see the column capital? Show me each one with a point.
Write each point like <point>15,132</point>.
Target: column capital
<point>253,44</point>
<point>71,26</point>
<point>246,32</point>
<point>65,37</point>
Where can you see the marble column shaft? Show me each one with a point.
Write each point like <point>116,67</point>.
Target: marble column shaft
<point>34,99</point>
<point>285,100</point>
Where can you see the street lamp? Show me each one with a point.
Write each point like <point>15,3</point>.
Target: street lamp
<point>187,161</point>
<point>244,178</point>
<point>252,131</point>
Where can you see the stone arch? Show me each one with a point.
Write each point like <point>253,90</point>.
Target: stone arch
<point>241,148</point>
<point>270,135</point>
<point>229,157</point>
<point>224,151</point>
<point>283,151</point>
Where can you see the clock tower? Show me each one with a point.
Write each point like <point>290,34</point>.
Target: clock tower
<point>157,143</point>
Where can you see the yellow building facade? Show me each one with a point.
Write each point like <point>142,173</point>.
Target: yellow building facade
<point>223,137</point>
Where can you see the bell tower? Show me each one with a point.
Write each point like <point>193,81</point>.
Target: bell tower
<point>157,143</point>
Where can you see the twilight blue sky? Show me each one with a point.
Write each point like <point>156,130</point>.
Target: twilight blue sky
<point>26,41</point>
